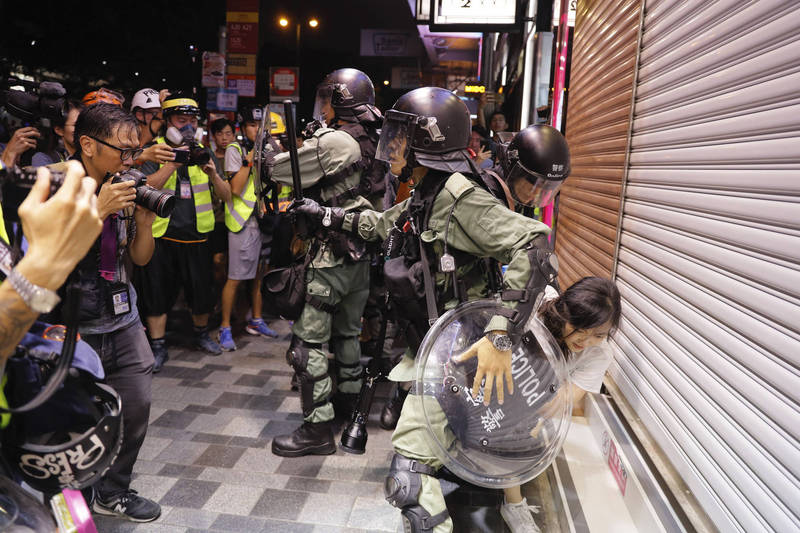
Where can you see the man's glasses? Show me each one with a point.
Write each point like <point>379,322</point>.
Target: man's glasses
<point>124,153</point>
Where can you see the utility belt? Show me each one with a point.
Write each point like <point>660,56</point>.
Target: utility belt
<point>349,247</point>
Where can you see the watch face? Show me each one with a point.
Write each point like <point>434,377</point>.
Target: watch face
<point>502,342</point>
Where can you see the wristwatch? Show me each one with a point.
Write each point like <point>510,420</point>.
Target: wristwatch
<point>501,341</point>
<point>37,298</point>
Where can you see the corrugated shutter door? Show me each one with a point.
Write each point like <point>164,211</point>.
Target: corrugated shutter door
<point>709,256</point>
<point>601,83</point>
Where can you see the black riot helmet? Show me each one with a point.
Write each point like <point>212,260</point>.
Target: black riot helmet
<point>535,163</point>
<point>351,95</point>
<point>430,125</point>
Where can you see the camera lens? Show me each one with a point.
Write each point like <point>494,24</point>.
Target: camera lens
<point>159,202</point>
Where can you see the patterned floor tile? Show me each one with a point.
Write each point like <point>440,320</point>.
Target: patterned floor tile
<point>191,493</point>
<point>182,452</point>
<point>374,514</point>
<point>192,518</point>
<point>260,460</point>
<point>284,504</point>
<point>175,419</point>
<point>237,524</point>
<point>330,509</point>
<point>220,456</point>
<point>244,427</point>
<point>233,499</point>
<point>308,466</point>
<point>306,484</point>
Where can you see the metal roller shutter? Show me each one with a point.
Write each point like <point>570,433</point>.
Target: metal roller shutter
<point>709,254</point>
<point>601,83</point>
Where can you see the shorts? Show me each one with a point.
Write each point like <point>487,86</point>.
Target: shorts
<point>244,251</point>
<point>175,266</point>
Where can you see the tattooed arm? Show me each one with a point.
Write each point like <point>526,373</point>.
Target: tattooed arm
<point>60,231</point>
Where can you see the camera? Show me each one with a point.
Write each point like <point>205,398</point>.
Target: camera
<point>161,203</point>
<point>195,155</point>
<point>25,103</point>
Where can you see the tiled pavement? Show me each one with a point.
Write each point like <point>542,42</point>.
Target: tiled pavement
<point>207,457</point>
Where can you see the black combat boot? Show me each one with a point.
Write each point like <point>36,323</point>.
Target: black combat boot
<point>391,411</point>
<point>308,439</point>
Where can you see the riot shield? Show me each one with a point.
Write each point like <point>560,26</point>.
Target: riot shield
<point>495,446</point>
<point>262,159</point>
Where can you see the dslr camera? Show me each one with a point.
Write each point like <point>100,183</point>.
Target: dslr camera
<point>161,203</point>
<point>195,155</point>
<point>16,183</point>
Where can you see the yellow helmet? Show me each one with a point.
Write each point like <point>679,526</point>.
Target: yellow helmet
<point>180,105</point>
<point>276,124</point>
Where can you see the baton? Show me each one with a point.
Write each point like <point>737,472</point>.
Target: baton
<point>297,188</point>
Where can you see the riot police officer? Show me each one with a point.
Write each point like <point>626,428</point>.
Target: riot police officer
<point>436,243</point>
<point>338,169</point>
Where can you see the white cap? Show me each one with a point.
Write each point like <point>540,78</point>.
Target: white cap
<point>145,99</point>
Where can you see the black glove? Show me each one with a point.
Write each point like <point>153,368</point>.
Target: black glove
<point>330,218</point>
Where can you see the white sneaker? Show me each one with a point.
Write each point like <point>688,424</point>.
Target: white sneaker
<point>519,516</point>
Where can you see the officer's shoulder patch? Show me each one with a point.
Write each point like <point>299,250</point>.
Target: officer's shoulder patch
<point>458,184</point>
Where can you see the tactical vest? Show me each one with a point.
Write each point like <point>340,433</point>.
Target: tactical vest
<point>373,171</point>
<point>201,192</point>
<point>239,208</point>
<point>409,260</point>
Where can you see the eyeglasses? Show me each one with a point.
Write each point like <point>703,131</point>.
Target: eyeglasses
<point>124,153</point>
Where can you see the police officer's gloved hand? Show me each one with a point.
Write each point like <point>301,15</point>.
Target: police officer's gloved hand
<point>328,217</point>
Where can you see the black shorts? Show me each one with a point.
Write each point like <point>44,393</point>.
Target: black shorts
<point>177,266</point>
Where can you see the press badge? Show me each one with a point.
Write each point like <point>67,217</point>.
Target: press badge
<point>186,190</point>
<point>120,299</point>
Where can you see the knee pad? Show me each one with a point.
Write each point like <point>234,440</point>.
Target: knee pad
<point>417,520</point>
<point>402,489</point>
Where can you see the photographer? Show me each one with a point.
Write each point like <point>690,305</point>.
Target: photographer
<point>182,257</point>
<point>108,142</point>
<point>59,231</point>
<point>64,128</point>
<point>146,108</point>
<point>21,141</point>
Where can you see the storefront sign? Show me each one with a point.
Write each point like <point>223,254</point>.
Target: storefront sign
<point>222,100</point>
<point>474,12</point>
<point>284,83</point>
<point>244,85</point>
<point>213,70</point>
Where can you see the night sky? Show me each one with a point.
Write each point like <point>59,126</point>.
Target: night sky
<point>153,39</point>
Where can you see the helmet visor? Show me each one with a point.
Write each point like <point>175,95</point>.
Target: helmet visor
<point>395,140</point>
<point>322,103</point>
<point>531,189</point>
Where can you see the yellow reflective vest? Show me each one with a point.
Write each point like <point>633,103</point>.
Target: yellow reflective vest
<point>239,208</point>
<point>202,199</point>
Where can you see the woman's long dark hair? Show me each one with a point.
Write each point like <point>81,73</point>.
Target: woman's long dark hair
<point>587,303</point>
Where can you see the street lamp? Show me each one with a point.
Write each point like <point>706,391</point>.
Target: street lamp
<point>283,22</point>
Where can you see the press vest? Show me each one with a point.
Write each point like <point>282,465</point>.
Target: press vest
<point>239,208</point>
<point>202,199</point>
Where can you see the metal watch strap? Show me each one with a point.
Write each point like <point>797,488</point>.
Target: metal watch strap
<point>27,291</point>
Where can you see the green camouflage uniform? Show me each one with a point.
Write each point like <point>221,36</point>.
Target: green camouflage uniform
<point>482,227</point>
<point>333,280</point>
